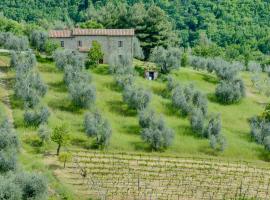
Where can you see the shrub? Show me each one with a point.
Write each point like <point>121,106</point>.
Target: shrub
<point>81,93</point>
<point>38,39</point>
<point>146,117</point>
<point>33,186</point>
<point>260,129</point>
<point>8,136</point>
<point>74,74</point>
<point>171,84</point>
<point>225,71</point>
<point>98,127</point>
<point>254,67</point>
<point>180,101</point>
<point>51,46</point>
<point>37,116</point>
<point>8,160</point>
<point>217,142</point>
<point>214,126</point>
<point>136,98</point>
<point>44,133</point>
<point>9,190</point>
<point>200,102</point>
<point>166,59</point>
<point>123,63</point>
<point>157,134</point>
<point>66,57</point>
<point>198,63</point>
<point>124,80</point>
<point>197,122</point>
<point>230,92</point>
<point>94,55</point>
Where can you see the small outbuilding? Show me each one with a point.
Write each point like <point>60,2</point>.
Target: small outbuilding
<point>151,72</point>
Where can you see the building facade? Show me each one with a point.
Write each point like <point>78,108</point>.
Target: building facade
<point>114,42</point>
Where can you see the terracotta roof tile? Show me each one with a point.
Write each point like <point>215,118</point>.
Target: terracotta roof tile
<point>60,33</point>
<point>78,31</point>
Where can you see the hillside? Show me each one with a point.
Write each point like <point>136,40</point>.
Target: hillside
<point>126,144</point>
<point>124,121</point>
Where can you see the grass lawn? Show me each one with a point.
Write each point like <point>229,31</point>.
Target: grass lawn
<point>124,122</point>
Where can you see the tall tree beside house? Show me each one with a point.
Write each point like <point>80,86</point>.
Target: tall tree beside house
<point>95,54</point>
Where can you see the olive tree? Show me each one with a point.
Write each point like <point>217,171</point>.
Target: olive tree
<point>8,160</point>
<point>8,136</point>
<point>64,57</point>
<point>38,39</point>
<point>136,98</point>
<point>96,126</point>
<point>44,133</point>
<point>180,101</point>
<point>197,121</point>
<point>82,93</point>
<point>157,134</point>
<point>37,116</point>
<point>230,92</point>
<point>166,59</point>
<point>9,190</point>
<point>33,186</point>
<point>119,64</point>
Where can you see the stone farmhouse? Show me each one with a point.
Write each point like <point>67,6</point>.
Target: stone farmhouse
<point>114,42</point>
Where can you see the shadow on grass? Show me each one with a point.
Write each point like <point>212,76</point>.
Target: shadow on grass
<point>120,108</point>
<point>141,146</point>
<point>171,110</point>
<point>9,82</point>
<point>58,86</point>
<point>133,129</point>
<point>210,78</point>
<point>264,155</point>
<point>139,70</point>
<point>161,92</point>
<point>113,86</point>
<point>16,102</point>
<point>64,105</point>
<point>101,69</point>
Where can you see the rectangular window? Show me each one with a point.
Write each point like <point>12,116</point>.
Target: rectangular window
<point>120,43</point>
<point>62,44</point>
<point>79,43</point>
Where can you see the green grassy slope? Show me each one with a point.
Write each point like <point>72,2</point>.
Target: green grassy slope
<point>124,122</point>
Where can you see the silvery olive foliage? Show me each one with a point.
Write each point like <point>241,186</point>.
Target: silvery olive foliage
<point>154,130</point>
<point>17,43</point>
<point>136,97</point>
<point>37,116</point>
<point>96,126</point>
<point>166,59</point>
<point>137,50</point>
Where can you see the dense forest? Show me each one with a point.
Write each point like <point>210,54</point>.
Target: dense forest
<point>232,29</point>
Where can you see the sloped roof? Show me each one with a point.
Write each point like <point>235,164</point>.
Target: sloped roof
<point>60,33</point>
<point>89,32</point>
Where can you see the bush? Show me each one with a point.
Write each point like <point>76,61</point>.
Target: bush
<point>198,63</point>
<point>122,63</point>
<point>146,117</point>
<point>157,134</point>
<point>200,102</point>
<point>44,133</point>
<point>225,71</point>
<point>230,92</point>
<point>9,190</point>
<point>81,93</point>
<point>124,80</point>
<point>254,67</point>
<point>74,74</point>
<point>33,186</point>
<point>259,129</point>
<point>51,46</point>
<point>136,98</point>
<point>66,57</point>
<point>37,116</point>
<point>171,84</point>
<point>98,127</point>
<point>38,39</point>
<point>8,161</point>
<point>8,136</point>
<point>197,122</point>
<point>180,101</point>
